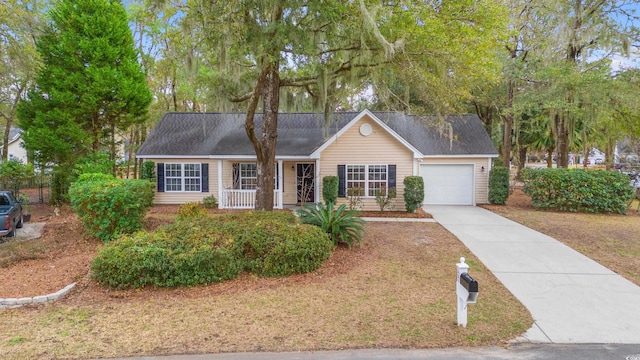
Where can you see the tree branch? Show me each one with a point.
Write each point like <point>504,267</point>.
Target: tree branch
<point>241,98</point>
<point>249,124</point>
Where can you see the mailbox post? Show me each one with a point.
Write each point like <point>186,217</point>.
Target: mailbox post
<point>466,291</point>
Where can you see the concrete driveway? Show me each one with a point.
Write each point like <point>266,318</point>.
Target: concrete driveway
<point>572,298</point>
<point>27,232</point>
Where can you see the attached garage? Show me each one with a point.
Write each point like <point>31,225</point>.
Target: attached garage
<point>448,184</point>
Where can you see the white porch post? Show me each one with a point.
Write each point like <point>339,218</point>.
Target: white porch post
<point>318,182</point>
<point>280,168</point>
<point>220,200</point>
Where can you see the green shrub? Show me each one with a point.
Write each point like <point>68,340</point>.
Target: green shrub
<point>384,197</point>
<point>191,209</point>
<point>96,163</point>
<point>247,218</point>
<point>59,186</point>
<point>277,249</point>
<point>186,253</point>
<point>354,198</point>
<point>578,190</point>
<point>499,185</point>
<point>13,173</point>
<point>148,171</point>
<point>342,225</point>
<point>330,189</point>
<point>96,177</point>
<point>413,192</point>
<point>200,250</point>
<point>210,202</point>
<point>110,207</point>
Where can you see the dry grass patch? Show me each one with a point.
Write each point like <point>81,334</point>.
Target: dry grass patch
<point>396,291</point>
<point>610,239</point>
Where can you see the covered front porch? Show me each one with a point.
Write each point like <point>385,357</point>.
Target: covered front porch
<point>296,183</point>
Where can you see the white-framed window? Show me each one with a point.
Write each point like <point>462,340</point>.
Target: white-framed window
<point>364,180</point>
<point>377,179</point>
<point>356,180</point>
<point>183,177</point>
<point>245,176</point>
<point>248,176</point>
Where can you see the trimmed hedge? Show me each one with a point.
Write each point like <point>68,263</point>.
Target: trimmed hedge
<point>109,207</point>
<point>183,254</point>
<point>199,249</point>
<point>499,185</point>
<point>210,202</point>
<point>578,190</point>
<point>413,192</point>
<point>277,249</point>
<point>191,209</point>
<point>330,189</point>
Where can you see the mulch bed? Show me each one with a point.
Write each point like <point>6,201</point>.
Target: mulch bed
<point>419,214</point>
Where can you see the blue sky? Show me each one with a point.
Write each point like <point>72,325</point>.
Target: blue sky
<point>619,62</point>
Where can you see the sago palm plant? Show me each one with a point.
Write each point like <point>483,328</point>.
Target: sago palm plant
<point>342,225</point>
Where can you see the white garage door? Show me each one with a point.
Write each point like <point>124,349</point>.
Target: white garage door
<point>447,184</point>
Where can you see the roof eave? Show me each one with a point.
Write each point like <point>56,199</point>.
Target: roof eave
<point>461,156</point>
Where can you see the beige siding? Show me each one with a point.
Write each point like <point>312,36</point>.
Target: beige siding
<point>289,182</point>
<point>183,197</point>
<point>481,180</point>
<point>379,148</point>
<point>288,178</point>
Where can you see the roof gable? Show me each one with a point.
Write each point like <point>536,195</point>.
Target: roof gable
<point>370,115</point>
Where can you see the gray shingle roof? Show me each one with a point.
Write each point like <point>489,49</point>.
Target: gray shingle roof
<point>299,134</point>
<point>14,134</point>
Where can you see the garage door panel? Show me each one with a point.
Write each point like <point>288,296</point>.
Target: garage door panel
<point>449,184</point>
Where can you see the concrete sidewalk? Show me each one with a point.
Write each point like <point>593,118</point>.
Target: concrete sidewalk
<point>572,298</point>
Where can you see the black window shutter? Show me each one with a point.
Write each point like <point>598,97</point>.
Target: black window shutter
<point>204,172</point>
<point>392,176</point>
<point>236,175</point>
<point>160,172</point>
<point>342,183</point>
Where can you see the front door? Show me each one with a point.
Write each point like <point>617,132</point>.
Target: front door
<point>305,184</point>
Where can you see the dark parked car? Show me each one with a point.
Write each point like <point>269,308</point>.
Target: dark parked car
<point>10,214</point>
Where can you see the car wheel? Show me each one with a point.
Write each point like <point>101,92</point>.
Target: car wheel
<point>20,223</point>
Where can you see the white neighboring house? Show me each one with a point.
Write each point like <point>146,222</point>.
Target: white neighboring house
<point>16,148</point>
<point>596,157</point>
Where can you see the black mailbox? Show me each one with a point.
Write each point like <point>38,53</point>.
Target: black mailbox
<point>467,281</point>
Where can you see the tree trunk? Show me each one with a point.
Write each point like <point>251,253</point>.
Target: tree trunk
<point>522,157</point>
<point>174,96</point>
<point>267,86</point>
<point>508,126</point>
<point>5,141</point>
<point>550,158</point>
<point>269,136</point>
<point>609,153</point>
<point>562,158</point>
<point>485,113</point>
<point>9,119</point>
<point>112,148</point>
<point>95,132</point>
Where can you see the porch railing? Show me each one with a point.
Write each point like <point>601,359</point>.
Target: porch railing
<point>243,199</point>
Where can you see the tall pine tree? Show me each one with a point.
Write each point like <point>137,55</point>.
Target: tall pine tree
<point>90,85</point>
